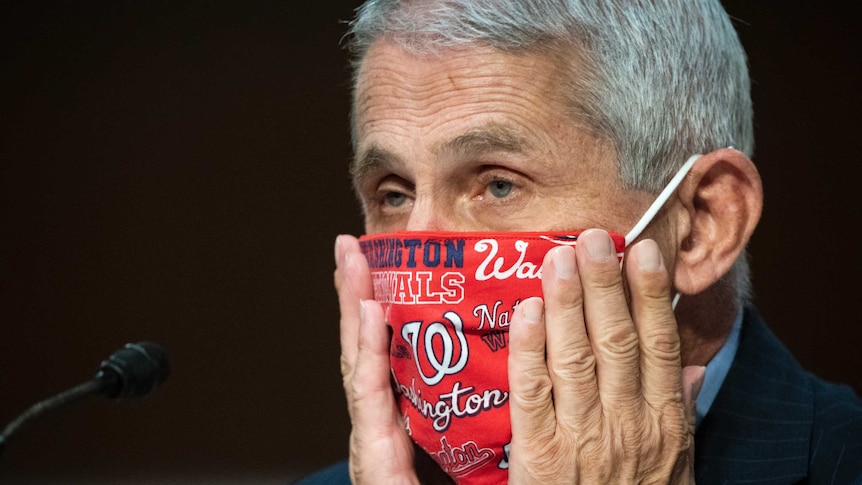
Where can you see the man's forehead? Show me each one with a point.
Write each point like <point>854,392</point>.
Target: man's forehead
<point>460,103</point>
<point>387,66</point>
<point>391,76</point>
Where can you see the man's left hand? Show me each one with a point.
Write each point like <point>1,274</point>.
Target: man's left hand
<point>598,394</point>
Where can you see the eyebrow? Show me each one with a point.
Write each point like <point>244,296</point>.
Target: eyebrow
<point>374,158</point>
<point>487,139</point>
<point>490,138</point>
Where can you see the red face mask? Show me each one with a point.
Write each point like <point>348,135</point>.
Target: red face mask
<point>449,298</point>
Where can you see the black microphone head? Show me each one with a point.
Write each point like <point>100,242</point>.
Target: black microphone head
<point>134,371</point>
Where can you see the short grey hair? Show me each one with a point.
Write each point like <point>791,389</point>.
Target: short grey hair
<point>660,80</point>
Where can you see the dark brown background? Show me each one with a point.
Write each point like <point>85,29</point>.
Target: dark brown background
<point>175,171</point>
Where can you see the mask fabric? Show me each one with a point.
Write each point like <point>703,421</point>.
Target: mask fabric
<point>449,298</point>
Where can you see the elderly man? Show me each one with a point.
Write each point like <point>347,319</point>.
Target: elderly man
<point>513,115</point>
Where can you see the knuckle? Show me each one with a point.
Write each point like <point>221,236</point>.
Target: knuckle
<point>662,346</point>
<point>360,388</point>
<point>575,366</point>
<point>356,390</point>
<point>619,341</point>
<point>346,365</point>
<point>534,391</point>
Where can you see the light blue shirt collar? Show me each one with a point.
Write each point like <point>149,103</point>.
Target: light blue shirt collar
<point>716,370</point>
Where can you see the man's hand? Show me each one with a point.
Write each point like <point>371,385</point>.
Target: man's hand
<point>380,450</point>
<point>598,394</point>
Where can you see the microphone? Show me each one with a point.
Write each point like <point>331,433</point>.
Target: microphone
<point>133,371</point>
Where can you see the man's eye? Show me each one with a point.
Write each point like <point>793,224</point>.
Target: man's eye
<point>500,188</point>
<point>394,199</point>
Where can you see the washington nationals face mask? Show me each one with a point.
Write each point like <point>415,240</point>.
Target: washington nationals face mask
<point>449,298</point>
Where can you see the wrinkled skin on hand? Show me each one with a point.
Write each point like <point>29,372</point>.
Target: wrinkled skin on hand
<point>598,394</point>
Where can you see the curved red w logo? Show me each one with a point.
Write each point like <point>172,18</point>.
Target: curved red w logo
<point>443,353</point>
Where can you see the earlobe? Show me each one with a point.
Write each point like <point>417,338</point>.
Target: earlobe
<point>721,201</point>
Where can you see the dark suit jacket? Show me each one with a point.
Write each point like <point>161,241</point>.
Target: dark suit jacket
<point>771,423</point>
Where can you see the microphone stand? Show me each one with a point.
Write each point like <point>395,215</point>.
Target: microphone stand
<point>132,371</point>
<point>44,407</point>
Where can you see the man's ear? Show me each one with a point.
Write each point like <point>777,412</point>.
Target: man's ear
<point>721,200</point>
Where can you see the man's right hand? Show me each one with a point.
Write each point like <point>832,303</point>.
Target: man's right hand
<point>380,449</point>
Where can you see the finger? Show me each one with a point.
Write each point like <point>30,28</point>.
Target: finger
<point>649,289</point>
<point>353,282</point>
<point>609,325</point>
<point>381,450</point>
<point>570,359</point>
<point>530,405</point>
<point>373,399</point>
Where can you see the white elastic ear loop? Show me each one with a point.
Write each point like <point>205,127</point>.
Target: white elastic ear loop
<point>659,201</point>
<point>675,300</point>
<point>656,206</point>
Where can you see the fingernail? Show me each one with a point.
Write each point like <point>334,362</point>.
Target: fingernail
<point>648,255</point>
<point>531,309</point>
<point>362,306</point>
<point>564,262</point>
<point>599,245</point>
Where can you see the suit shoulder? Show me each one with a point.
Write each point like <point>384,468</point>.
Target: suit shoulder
<point>836,440</point>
